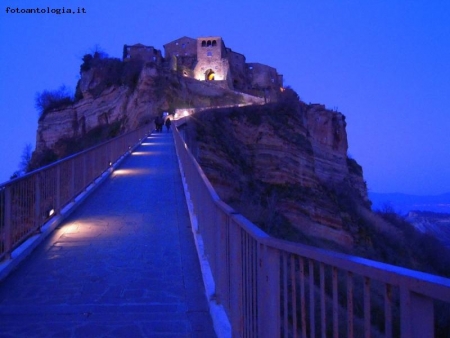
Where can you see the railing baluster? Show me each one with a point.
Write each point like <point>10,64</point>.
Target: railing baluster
<point>335,303</point>
<point>388,311</point>
<point>285,296</point>
<point>294,297</point>
<point>268,300</point>
<point>303,295</point>
<point>323,323</point>
<point>37,200</point>
<point>312,317</point>
<point>8,223</point>
<point>367,307</point>
<point>349,305</point>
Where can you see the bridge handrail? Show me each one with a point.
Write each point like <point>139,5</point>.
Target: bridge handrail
<point>29,201</point>
<point>270,287</point>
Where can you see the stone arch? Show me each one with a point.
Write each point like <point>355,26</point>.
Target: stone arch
<point>208,44</point>
<point>203,43</point>
<point>209,75</point>
<point>214,43</point>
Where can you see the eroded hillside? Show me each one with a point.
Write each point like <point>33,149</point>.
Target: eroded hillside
<point>285,167</point>
<point>114,97</point>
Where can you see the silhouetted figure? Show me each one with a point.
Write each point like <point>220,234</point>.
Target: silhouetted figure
<point>168,123</point>
<point>159,122</point>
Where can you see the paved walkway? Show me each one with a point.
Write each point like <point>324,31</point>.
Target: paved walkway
<point>123,265</point>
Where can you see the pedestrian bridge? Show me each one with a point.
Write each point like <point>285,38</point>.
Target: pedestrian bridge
<point>130,239</point>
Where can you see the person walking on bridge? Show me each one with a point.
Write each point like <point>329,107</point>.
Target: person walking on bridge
<point>159,122</point>
<point>168,123</point>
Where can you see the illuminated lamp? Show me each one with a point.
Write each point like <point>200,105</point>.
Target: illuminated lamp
<point>51,212</point>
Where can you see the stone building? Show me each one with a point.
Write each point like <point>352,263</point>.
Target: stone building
<point>208,59</point>
<point>144,53</point>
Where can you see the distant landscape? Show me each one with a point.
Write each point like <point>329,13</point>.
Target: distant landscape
<point>428,214</point>
<point>404,203</point>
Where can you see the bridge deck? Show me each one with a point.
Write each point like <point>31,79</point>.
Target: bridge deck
<point>123,265</point>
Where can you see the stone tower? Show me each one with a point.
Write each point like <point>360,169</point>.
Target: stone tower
<point>212,64</point>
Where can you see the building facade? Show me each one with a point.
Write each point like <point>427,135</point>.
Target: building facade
<point>208,59</point>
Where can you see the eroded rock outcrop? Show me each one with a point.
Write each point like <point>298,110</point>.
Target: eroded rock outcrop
<point>281,165</point>
<point>119,97</point>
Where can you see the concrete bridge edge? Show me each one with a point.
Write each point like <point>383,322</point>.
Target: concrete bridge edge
<point>221,322</point>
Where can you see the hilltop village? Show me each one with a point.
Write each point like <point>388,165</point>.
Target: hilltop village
<point>117,95</point>
<point>208,59</point>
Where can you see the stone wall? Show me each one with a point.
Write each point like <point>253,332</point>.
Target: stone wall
<point>184,46</point>
<point>139,51</point>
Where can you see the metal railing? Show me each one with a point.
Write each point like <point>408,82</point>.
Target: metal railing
<point>28,202</point>
<point>275,288</point>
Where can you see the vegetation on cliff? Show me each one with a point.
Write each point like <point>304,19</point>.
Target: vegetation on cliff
<point>109,72</point>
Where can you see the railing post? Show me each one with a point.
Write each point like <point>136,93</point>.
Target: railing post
<point>85,170</point>
<point>220,271</point>
<point>268,292</point>
<point>236,304</point>
<point>37,200</point>
<point>416,315</point>
<point>72,179</point>
<point>58,191</point>
<point>8,223</point>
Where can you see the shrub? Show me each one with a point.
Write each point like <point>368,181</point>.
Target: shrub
<point>50,100</point>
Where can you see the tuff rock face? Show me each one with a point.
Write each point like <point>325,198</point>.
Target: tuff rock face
<point>116,103</point>
<point>126,107</point>
<point>281,164</point>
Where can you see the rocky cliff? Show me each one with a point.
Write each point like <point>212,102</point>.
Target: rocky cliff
<point>282,165</point>
<point>285,167</point>
<point>114,97</point>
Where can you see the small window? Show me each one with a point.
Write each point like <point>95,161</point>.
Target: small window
<point>214,43</point>
<point>203,43</point>
<point>209,54</point>
<point>208,44</point>
<point>183,45</point>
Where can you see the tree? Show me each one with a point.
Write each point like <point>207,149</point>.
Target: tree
<point>25,161</point>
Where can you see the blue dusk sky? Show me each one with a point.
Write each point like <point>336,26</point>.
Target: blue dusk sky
<point>384,65</point>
